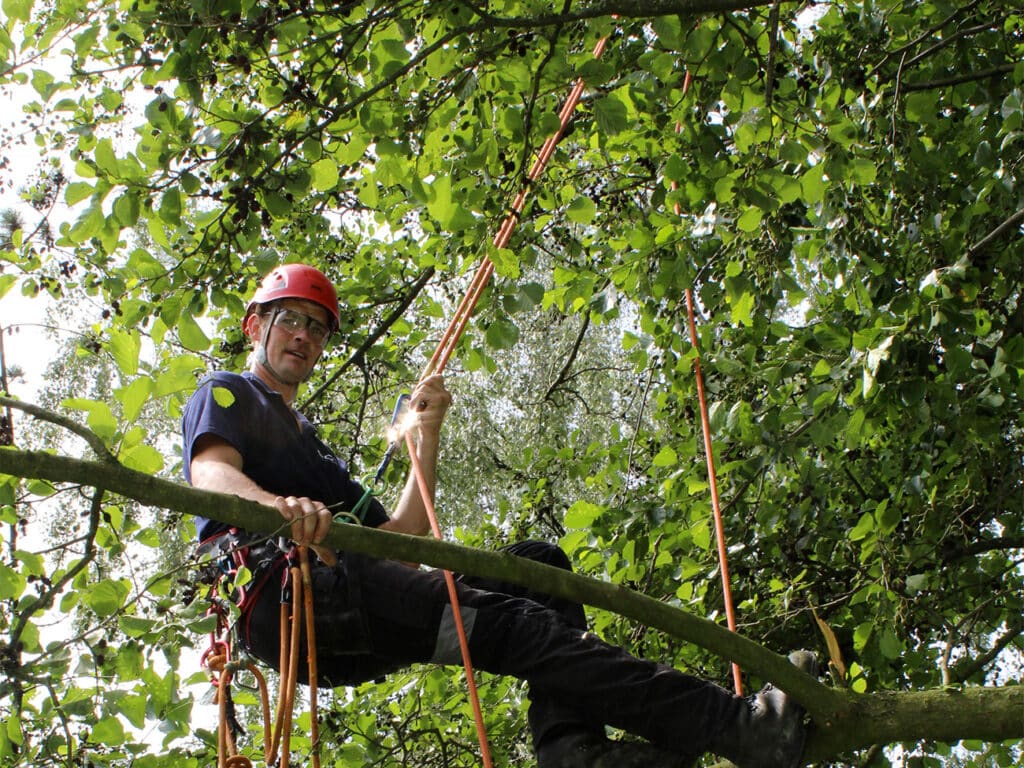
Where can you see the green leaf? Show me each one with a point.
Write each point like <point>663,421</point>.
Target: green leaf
<point>170,206</point>
<point>582,514</point>
<point>136,626</point>
<point>77,191</point>
<point>749,220</point>
<point>133,707</point>
<point>921,107</point>
<point>12,583</point>
<point>106,597</point>
<point>864,527</point>
<point>19,10</point>
<point>223,396</point>
<point>742,308</point>
<point>888,518</point>
<point>106,160</point>
<point>612,114</point>
<point>889,644</point>
<point>12,728</point>
<point>179,376</point>
<point>124,347</point>
<point>143,458</point>
<point>100,418</point>
<point>108,731</point>
<point>502,334</point>
<point>190,334</point>
<point>666,457</point>
<point>855,429</point>
<point>325,174</point>
<point>581,210</point>
<point>134,396</point>
<point>127,208</point>
<point>862,171</point>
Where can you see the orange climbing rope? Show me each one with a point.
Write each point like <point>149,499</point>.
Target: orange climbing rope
<point>464,311</point>
<point>276,736</point>
<point>443,354</point>
<point>709,455</point>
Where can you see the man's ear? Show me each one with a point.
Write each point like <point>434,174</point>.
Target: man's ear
<point>252,326</point>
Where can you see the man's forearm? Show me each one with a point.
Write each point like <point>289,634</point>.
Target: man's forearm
<point>410,514</point>
<point>224,478</point>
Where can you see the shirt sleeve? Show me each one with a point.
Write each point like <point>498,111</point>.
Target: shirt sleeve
<point>217,407</point>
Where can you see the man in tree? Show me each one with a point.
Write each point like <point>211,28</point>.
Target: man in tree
<point>242,436</point>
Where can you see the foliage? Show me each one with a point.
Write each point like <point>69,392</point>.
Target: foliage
<point>840,184</point>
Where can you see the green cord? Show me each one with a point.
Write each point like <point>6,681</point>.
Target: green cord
<point>359,510</point>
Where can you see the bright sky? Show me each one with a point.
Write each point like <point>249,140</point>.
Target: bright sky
<point>24,344</point>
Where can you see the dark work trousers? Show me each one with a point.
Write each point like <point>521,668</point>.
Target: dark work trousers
<point>377,616</point>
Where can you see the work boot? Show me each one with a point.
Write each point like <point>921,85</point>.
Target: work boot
<point>769,732</point>
<point>587,751</point>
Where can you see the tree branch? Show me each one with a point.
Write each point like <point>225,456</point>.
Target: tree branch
<point>983,545</point>
<point>90,437</point>
<point>232,510</point>
<point>1013,221</point>
<point>946,715</point>
<point>970,77</point>
<point>375,334</point>
<point>970,666</point>
<point>45,600</point>
<point>563,374</point>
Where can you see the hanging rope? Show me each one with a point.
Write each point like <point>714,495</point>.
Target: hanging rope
<point>464,311</point>
<point>217,658</point>
<point>443,353</point>
<point>709,454</point>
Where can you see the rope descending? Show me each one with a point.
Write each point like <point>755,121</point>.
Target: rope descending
<point>296,606</point>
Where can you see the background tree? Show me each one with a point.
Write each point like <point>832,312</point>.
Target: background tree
<point>839,183</point>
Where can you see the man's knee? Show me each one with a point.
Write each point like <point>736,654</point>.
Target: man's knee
<point>541,552</point>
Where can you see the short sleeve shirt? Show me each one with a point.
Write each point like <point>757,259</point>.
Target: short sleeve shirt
<point>280,449</point>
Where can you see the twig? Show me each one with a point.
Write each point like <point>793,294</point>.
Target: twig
<point>97,445</point>
<point>996,233</point>
<point>46,598</point>
<point>960,79</point>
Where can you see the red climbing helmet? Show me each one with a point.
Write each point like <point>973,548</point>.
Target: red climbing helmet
<point>297,281</point>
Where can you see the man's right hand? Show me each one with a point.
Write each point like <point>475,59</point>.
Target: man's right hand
<point>310,521</point>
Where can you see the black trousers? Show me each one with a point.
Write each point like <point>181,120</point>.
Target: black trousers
<point>377,616</point>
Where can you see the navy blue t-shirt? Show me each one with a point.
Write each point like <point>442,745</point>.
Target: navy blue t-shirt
<point>280,449</point>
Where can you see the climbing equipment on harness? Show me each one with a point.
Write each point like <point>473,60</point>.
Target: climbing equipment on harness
<point>232,554</point>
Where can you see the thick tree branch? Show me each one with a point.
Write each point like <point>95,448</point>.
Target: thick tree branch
<point>983,545</point>
<point>947,715</point>
<point>820,701</point>
<point>641,9</point>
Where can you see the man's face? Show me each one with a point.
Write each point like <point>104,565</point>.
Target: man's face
<point>295,341</point>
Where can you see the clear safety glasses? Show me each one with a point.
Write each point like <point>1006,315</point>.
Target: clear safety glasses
<point>294,321</point>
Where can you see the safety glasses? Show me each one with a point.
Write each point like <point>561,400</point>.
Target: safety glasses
<point>294,321</point>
